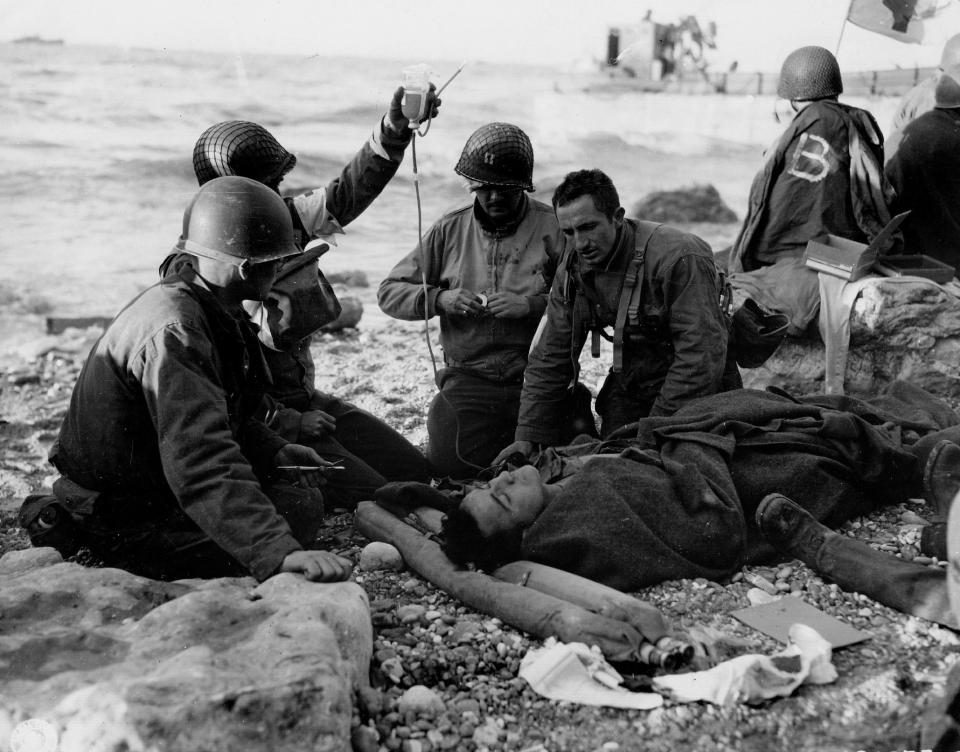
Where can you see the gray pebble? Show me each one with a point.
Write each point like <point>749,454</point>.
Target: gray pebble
<point>378,556</point>
<point>411,613</point>
<point>420,700</point>
<point>364,739</point>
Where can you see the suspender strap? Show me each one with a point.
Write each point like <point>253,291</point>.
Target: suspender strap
<point>629,303</point>
<point>594,304</point>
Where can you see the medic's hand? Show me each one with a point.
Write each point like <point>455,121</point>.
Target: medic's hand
<point>459,302</point>
<point>314,424</point>
<point>318,566</point>
<point>399,124</point>
<point>526,448</point>
<point>298,456</point>
<point>508,305</point>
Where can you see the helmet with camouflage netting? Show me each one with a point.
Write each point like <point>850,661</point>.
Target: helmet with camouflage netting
<point>809,73</point>
<point>239,147</point>
<point>498,154</point>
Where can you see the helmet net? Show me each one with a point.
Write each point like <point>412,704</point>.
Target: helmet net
<point>810,73</point>
<point>498,154</point>
<point>238,147</point>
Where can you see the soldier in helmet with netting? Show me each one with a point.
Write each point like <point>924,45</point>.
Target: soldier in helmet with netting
<point>301,301</point>
<point>823,175</point>
<point>485,270</point>
<point>165,471</point>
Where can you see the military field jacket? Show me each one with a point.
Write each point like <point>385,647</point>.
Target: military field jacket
<point>458,252</point>
<point>677,343</point>
<point>159,421</point>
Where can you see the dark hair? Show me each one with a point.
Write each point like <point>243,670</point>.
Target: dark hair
<point>463,542</point>
<point>593,183</point>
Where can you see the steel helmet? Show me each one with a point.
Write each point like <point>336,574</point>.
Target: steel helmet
<point>233,218</point>
<point>239,147</point>
<point>809,73</point>
<point>498,154</point>
<point>946,94</point>
<point>951,52</point>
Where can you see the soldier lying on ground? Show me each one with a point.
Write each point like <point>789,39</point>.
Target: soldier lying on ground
<point>677,497</point>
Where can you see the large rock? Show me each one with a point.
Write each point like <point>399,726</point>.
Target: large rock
<point>119,662</point>
<point>903,330</point>
<point>351,311</point>
<point>695,203</point>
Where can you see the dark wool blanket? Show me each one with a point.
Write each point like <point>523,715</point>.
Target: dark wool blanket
<point>679,500</point>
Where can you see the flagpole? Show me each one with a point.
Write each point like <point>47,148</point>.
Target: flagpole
<point>843,28</point>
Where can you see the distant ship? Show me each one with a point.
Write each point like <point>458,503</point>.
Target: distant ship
<point>36,39</point>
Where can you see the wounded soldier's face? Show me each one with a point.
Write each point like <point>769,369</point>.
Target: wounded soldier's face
<point>512,500</point>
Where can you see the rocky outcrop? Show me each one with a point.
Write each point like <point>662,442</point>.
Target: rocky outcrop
<point>907,330</point>
<point>696,203</point>
<point>119,662</point>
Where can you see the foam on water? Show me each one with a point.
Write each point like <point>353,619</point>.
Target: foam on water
<point>96,145</point>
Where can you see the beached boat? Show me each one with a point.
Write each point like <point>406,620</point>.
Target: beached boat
<point>652,56</point>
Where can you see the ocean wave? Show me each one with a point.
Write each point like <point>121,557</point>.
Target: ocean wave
<point>33,143</point>
<point>205,114</point>
<point>151,169</point>
<point>606,146</point>
<point>366,112</point>
<point>119,135</point>
<point>46,73</point>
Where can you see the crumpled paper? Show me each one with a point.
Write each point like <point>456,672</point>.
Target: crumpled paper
<point>576,673</point>
<point>754,678</point>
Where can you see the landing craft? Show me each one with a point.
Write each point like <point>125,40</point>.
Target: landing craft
<point>656,56</point>
<point>682,57</point>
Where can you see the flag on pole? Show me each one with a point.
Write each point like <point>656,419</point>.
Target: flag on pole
<point>903,20</point>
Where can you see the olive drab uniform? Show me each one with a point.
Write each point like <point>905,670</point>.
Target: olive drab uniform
<point>660,296</point>
<point>302,301</point>
<point>474,414</point>
<point>484,357</point>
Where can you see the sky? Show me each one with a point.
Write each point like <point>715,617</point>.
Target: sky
<point>758,34</point>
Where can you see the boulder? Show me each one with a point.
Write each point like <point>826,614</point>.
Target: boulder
<point>350,313</point>
<point>696,203</point>
<point>119,662</point>
<point>351,278</point>
<point>908,331</point>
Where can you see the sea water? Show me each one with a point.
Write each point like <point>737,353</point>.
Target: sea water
<point>96,143</point>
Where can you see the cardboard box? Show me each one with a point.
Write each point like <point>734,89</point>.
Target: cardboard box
<point>840,257</point>
<point>915,265</point>
<point>849,259</point>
